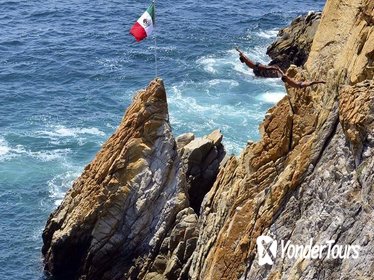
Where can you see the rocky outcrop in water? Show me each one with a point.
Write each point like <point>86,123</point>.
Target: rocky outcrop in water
<point>128,214</point>
<point>294,41</point>
<point>292,45</point>
<point>132,213</point>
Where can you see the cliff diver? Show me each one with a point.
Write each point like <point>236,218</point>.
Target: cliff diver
<point>256,66</point>
<point>263,68</point>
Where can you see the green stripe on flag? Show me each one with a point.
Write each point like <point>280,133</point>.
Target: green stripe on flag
<point>151,12</point>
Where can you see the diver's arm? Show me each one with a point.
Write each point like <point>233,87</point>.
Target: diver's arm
<point>246,60</point>
<point>297,84</point>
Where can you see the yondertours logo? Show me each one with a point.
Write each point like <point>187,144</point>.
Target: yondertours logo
<point>268,249</point>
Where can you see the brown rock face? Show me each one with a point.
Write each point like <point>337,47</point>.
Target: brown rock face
<point>145,208</point>
<point>356,108</point>
<point>301,181</point>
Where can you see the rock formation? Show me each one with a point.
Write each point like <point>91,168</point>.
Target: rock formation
<point>292,45</point>
<point>294,42</point>
<point>132,214</point>
<point>202,158</point>
<point>128,214</point>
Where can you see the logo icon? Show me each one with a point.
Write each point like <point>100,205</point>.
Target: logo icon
<point>266,249</point>
<point>146,22</point>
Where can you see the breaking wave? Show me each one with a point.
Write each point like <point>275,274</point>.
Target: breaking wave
<point>268,34</point>
<point>8,152</point>
<point>271,97</point>
<point>62,131</point>
<point>59,185</point>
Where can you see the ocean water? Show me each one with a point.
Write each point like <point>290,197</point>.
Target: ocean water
<point>68,70</point>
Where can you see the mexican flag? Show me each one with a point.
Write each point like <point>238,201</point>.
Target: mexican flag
<point>144,25</point>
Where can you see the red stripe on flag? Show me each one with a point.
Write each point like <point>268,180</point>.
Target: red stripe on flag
<point>138,32</point>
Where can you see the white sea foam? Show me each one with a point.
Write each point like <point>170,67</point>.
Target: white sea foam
<point>59,184</point>
<point>92,131</point>
<point>224,63</point>
<point>268,34</point>
<point>207,105</point>
<point>4,148</point>
<point>217,65</point>
<point>50,155</point>
<point>230,83</point>
<point>208,64</point>
<point>271,97</point>
<point>8,152</point>
<point>62,131</point>
<point>180,97</point>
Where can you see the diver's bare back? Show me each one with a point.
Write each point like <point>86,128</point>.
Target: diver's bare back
<point>258,66</point>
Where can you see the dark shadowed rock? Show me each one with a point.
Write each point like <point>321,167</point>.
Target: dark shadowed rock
<point>294,41</point>
<point>203,157</point>
<point>184,139</point>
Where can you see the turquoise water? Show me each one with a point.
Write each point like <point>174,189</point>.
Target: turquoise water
<point>68,69</point>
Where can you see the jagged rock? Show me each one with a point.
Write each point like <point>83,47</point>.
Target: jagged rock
<point>294,41</point>
<point>203,157</point>
<point>184,139</point>
<point>128,216</point>
<point>333,202</point>
<point>216,136</point>
<point>356,111</point>
<point>125,201</point>
<point>197,149</point>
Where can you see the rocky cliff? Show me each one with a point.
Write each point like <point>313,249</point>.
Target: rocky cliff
<point>152,207</point>
<point>294,42</point>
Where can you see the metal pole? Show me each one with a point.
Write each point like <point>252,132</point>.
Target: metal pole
<point>154,24</point>
<point>156,56</point>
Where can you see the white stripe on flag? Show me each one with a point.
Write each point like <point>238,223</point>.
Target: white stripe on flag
<point>146,22</point>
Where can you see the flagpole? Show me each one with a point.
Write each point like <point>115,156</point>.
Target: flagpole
<point>154,2</point>
<point>156,56</point>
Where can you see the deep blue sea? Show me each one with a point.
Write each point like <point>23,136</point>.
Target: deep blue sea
<point>69,69</point>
